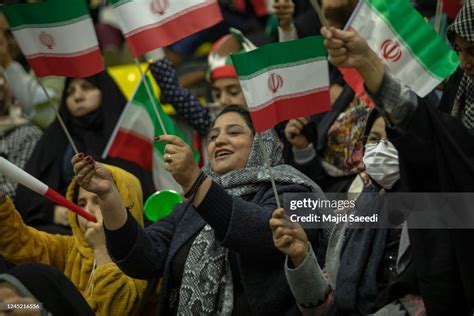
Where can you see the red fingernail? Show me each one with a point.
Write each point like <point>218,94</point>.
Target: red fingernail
<point>88,158</point>
<point>92,161</point>
<point>157,138</point>
<point>81,155</point>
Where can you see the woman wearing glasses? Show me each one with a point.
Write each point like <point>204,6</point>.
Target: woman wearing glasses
<point>367,270</point>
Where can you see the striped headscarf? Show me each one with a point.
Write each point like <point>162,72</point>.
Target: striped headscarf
<point>463,26</point>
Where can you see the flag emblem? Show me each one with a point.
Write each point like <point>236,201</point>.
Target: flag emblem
<point>275,83</point>
<point>391,50</point>
<point>159,6</point>
<point>47,40</point>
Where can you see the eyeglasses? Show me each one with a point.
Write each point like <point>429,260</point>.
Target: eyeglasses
<point>374,140</point>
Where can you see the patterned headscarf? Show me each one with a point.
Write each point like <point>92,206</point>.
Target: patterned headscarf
<point>463,26</point>
<point>249,179</point>
<point>206,287</point>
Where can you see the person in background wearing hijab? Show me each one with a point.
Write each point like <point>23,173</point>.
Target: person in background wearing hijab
<point>90,108</point>
<point>367,270</point>
<point>436,151</point>
<point>40,284</point>
<point>215,251</point>
<point>82,257</point>
<point>17,136</point>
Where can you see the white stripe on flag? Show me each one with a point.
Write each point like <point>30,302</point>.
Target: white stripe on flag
<point>407,69</point>
<point>143,16</point>
<point>163,179</point>
<point>57,40</point>
<point>296,79</point>
<point>145,127</point>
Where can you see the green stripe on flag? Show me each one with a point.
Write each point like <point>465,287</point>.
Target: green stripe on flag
<point>47,12</point>
<point>277,55</point>
<point>117,3</point>
<point>45,25</point>
<point>418,36</point>
<point>142,99</point>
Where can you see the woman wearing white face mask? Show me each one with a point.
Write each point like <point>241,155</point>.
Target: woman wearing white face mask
<point>366,270</point>
<point>380,156</point>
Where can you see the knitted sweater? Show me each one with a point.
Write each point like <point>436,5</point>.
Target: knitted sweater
<point>239,225</point>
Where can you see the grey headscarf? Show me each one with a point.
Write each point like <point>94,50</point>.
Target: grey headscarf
<point>463,26</point>
<point>249,179</point>
<point>206,287</point>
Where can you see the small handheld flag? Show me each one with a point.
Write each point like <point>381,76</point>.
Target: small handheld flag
<point>151,24</point>
<point>15,173</point>
<point>419,59</point>
<point>283,81</point>
<point>57,37</point>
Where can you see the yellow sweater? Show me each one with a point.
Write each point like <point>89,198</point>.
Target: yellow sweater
<point>109,291</point>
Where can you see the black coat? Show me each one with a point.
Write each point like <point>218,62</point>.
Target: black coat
<point>436,154</point>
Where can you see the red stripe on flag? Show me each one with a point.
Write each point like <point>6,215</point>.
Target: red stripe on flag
<point>61,200</point>
<point>452,7</point>
<point>260,7</point>
<point>78,66</point>
<point>174,29</point>
<point>133,147</point>
<point>290,108</point>
<point>356,82</point>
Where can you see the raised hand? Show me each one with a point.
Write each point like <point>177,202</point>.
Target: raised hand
<point>284,10</point>
<point>294,132</point>
<point>91,175</point>
<point>349,50</point>
<point>290,238</point>
<point>179,160</point>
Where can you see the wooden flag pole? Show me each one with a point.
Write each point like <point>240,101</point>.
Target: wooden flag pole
<point>150,95</point>
<point>438,15</point>
<point>58,116</point>
<point>319,12</point>
<point>266,161</point>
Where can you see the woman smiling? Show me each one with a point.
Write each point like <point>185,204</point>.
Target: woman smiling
<point>215,252</point>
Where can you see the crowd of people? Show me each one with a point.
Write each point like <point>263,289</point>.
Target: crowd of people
<point>229,248</point>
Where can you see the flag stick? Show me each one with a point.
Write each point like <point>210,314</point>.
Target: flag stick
<point>15,173</point>
<point>319,12</point>
<point>50,102</point>
<point>148,90</point>
<point>267,165</point>
<point>439,12</point>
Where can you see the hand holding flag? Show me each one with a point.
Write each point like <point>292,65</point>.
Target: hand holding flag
<point>409,47</point>
<point>349,50</point>
<point>92,176</point>
<point>22,177</point>
<point>283,81</point>
<point>179,161</point>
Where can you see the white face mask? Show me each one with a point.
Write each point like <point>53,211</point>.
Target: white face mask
<point>381,163</point>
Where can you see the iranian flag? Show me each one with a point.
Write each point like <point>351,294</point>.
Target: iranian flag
<point>57,37</point>
<point>283,81</point>
<point>409,46</point>
<point>151,24</point>
<point>134,138</point>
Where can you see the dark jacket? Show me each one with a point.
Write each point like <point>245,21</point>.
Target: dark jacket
<point>436,154</point>
<point>239,225</point>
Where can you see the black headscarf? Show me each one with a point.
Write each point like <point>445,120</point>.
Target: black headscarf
<point>463,26</point>
<point>50,161</point>
<point>50,287</point>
